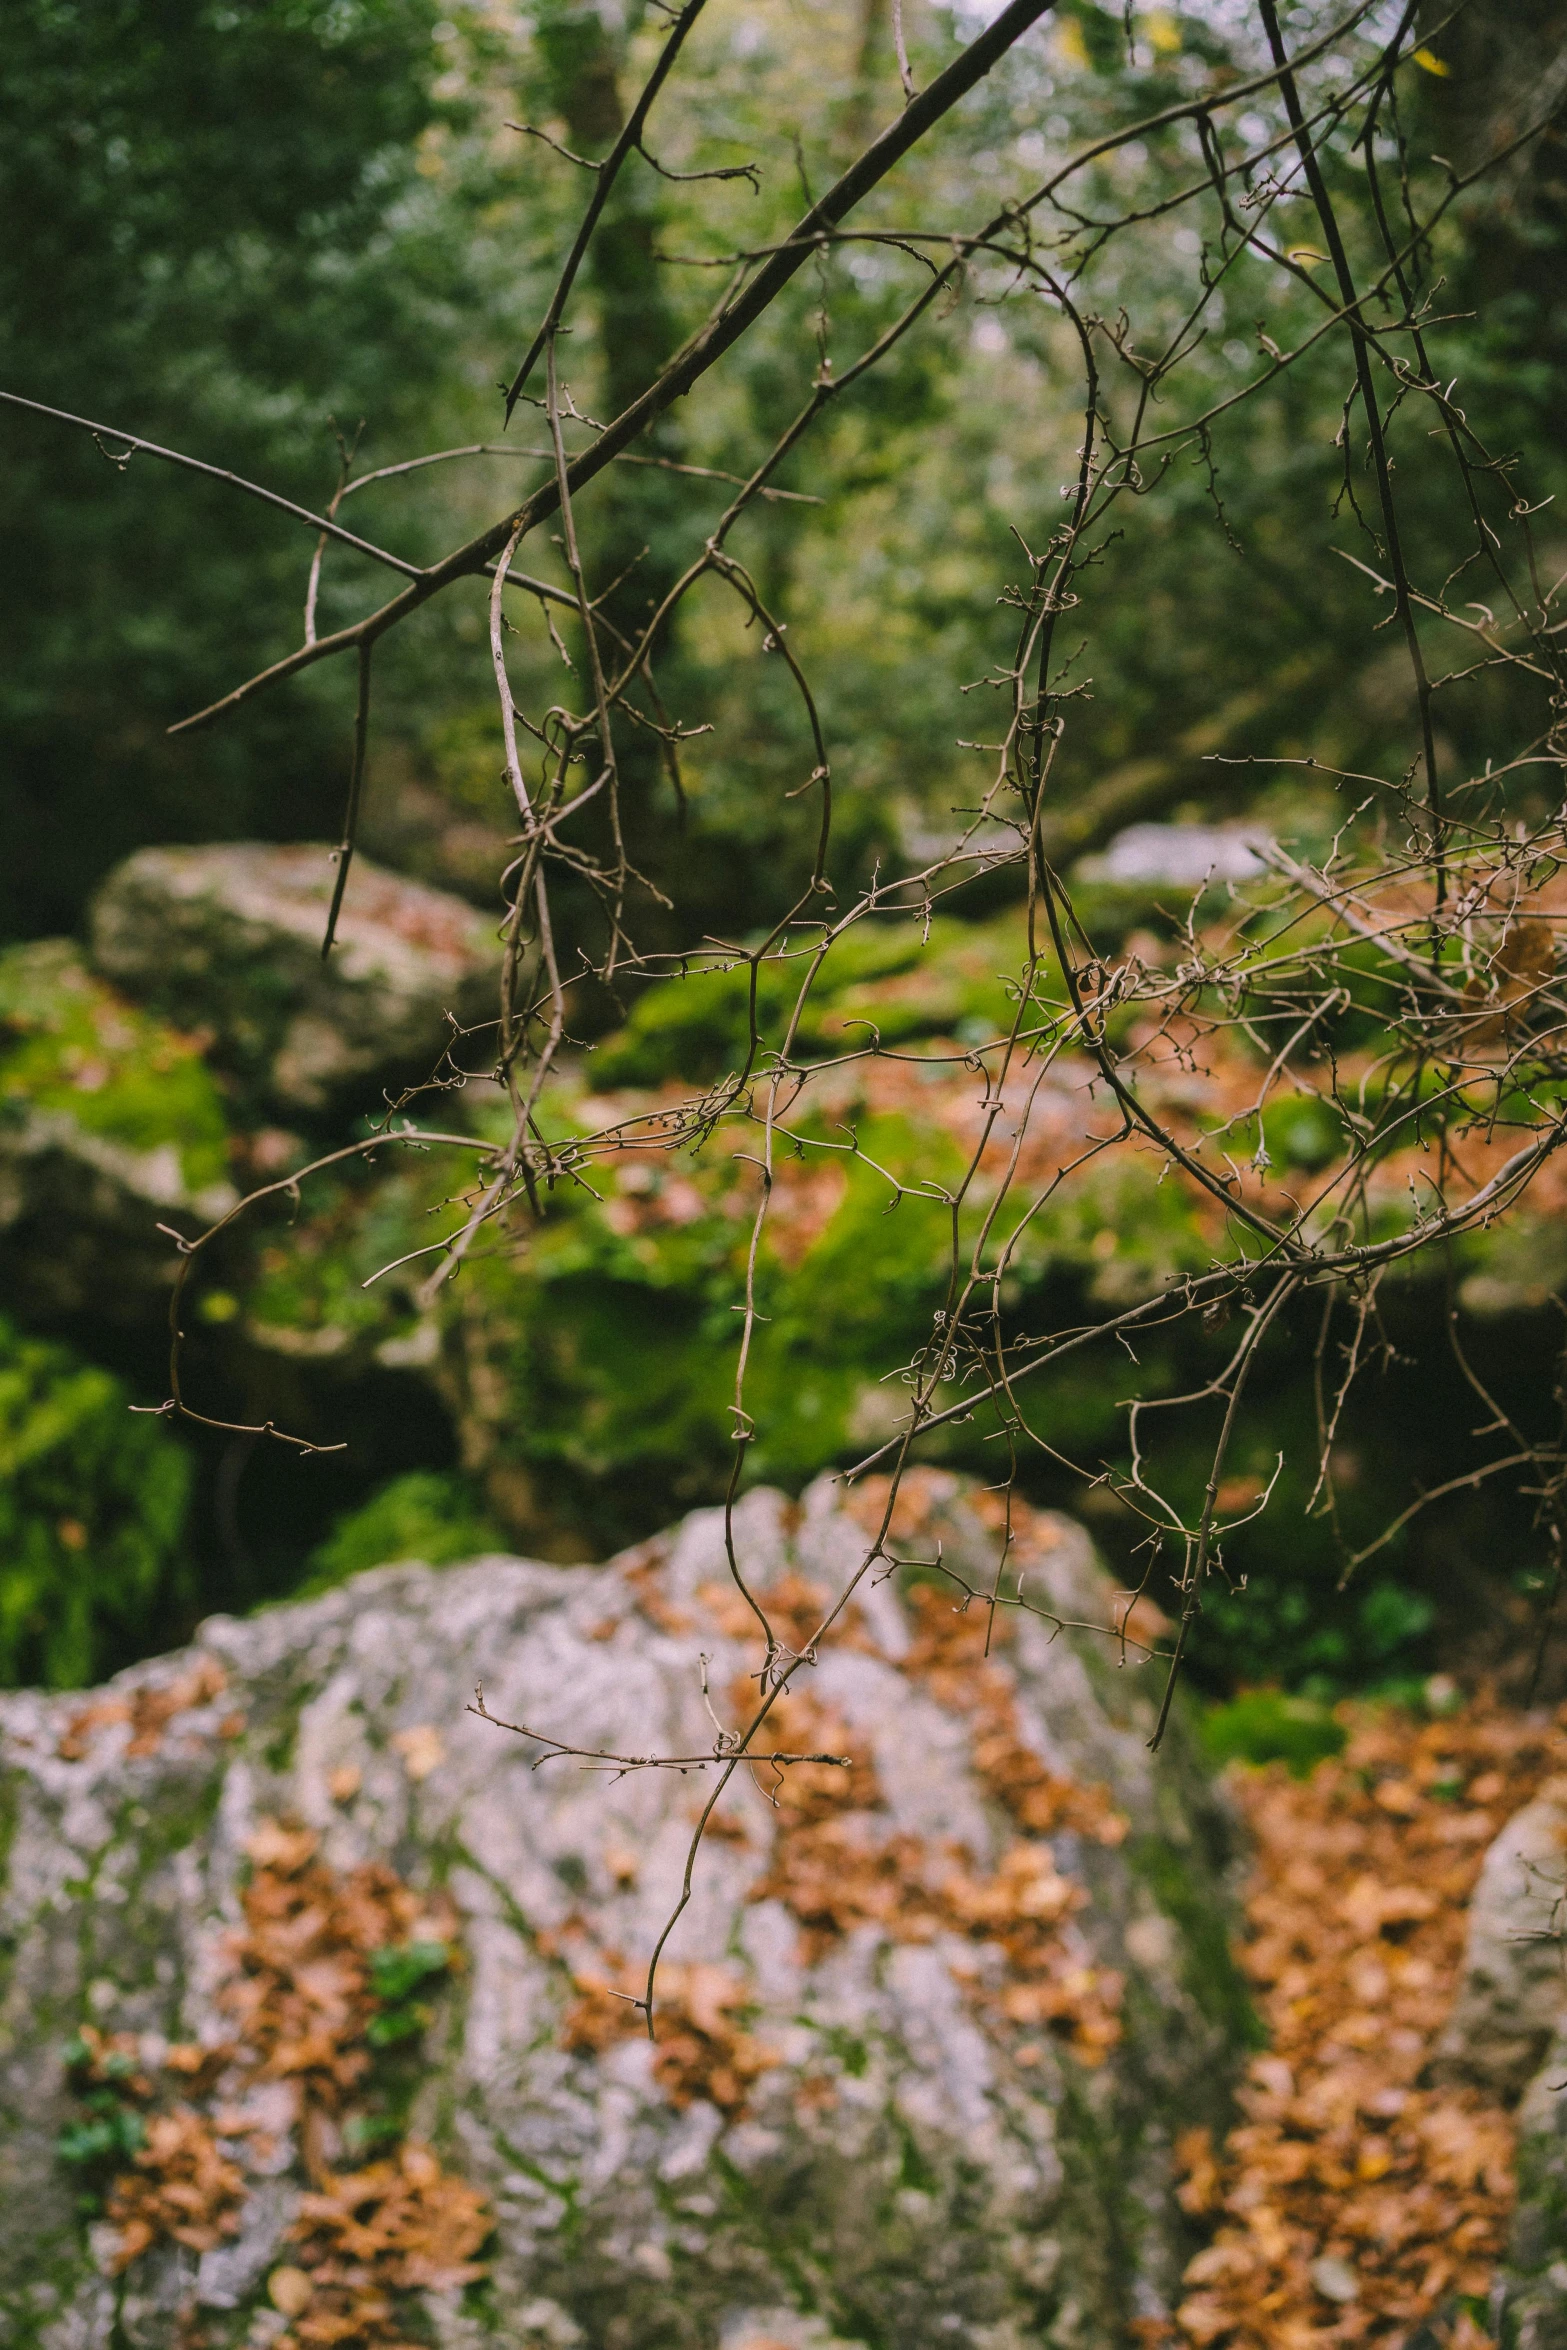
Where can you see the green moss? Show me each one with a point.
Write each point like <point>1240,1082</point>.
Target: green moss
<point>1103,2215</point>
<point>10,1813</point>
<point>180,1814</point>
<point>69,1045</point>
<point>1541,2231</point>
<point>851,2051</point>
<point>1263,1726</point>
<point>124,1932</point>
<point>422,1515</point>
<point>278,1753</point>
<point>913,2169</point>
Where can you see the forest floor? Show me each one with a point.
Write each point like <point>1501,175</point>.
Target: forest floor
<point>1354,2202</point>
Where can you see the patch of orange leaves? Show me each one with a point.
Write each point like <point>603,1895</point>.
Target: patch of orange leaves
<point>1027,1901</point>
<point>300,1993</point>
<point>703,2049</point>
<point>1354,2201</point>
<point>149,1708</point>
<point>949,1656</point>
<point>834,1872</point>
<point>301,1998</point>
<point>398,2226</point>
<point>795,1606</point>
<point>829,1866</point>
<point>183,2188</point>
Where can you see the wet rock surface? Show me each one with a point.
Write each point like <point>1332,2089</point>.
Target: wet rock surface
<point>228,939</point>
<point>927,2029</point>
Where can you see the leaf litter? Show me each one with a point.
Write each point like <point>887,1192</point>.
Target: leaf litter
<point>1355,2201</point>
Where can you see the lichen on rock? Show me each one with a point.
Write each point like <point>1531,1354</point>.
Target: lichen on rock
<point>924,2037</point>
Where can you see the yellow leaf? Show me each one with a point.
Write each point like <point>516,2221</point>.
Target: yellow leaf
<point>1432,63</point>
<point>1163,31</point>
<point>422,1749</point>
<point>290,2290</point>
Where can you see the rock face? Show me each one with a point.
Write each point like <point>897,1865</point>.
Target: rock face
<point>228,940</point>
<point>1514,1987</point>
<point>1511,2012</point>
<point>926,2030</point>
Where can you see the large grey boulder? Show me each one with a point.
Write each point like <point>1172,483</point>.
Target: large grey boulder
<point>927,2031</point>
<point>227,940</point>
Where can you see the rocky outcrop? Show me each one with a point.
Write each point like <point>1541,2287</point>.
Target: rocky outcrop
<point>228,939</point>
<point>925,2032</point>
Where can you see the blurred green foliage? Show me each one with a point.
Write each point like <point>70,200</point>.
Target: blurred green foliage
<point>218,237</point>
<point>1263,1726</point>
<point>591,1361</point>
<point>252,222</point>
<point>421,1515</point>
<point>954,982</point>
<point>92,1516</point>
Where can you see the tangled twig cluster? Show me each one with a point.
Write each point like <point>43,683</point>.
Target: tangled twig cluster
<point>1404,978</point>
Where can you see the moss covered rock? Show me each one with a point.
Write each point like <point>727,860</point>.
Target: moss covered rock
<point>109,1120</point>
<point>229,938</point>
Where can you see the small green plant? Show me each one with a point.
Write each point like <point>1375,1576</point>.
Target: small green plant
<point>396,1973</point>
<point>110,2132</point>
